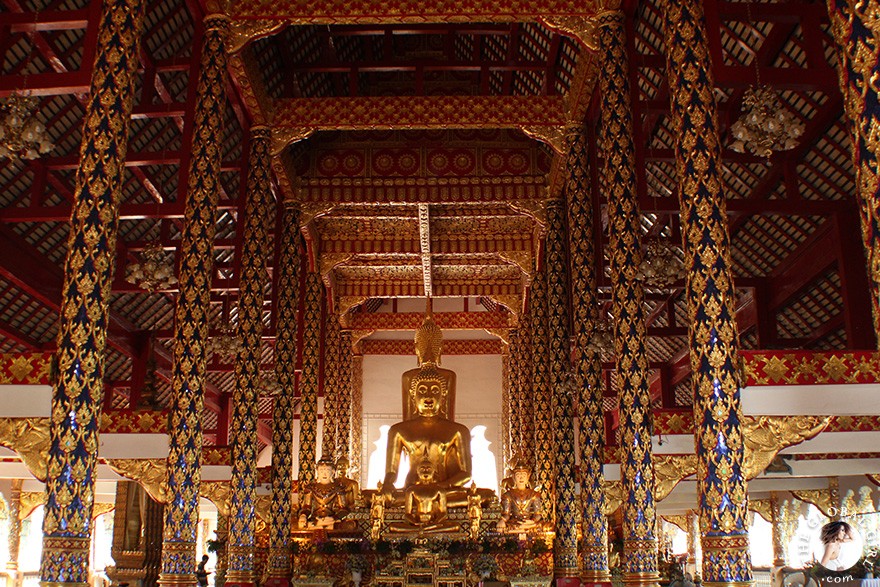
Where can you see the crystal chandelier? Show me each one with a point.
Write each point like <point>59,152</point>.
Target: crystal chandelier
<point>765,125</point>
<point>227,344</point>
<point>22,136</point>
<point>661,265</point>
<point>602,340</point>
<point>154,270</point>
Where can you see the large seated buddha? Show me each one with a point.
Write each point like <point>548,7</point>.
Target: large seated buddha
<point>427,432</point>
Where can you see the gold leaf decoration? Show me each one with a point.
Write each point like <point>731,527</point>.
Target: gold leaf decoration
<point>149,473</point>
<point>29,437</point>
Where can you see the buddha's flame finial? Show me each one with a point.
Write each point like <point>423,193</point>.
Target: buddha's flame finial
<point>429,339</point>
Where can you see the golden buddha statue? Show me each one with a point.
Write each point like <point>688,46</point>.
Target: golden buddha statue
<point>522,510</point>
<point>425,504</point>
<point>428,435</point>
<point>321,507</point>
<point>429,348</point>
<point>348,489</point>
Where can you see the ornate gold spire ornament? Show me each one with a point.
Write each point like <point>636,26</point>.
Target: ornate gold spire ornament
<point>429,339</point>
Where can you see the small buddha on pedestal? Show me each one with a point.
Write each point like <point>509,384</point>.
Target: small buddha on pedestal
<point>522,510</point>
<point>425,503</point>
<point>349,490</point>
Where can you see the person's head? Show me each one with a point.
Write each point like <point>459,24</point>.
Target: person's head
<point>428,390</point>
<point>204,558</point>
<point>835,532</point>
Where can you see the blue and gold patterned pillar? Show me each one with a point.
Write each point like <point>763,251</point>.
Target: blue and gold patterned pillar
<point>85,299</point>
<point>542,417</point>
<point>189,369</point>
<point>711,298</point>
<point>311,363</point>
<point>283,412</point>
<point>255,242</point>
<point>625,230</point>
<point>331,386</point>
<point>856,28</point>
<point>506,457</point>
<point>565,560</point>
<point>588,365</point>
<point>343,405</point>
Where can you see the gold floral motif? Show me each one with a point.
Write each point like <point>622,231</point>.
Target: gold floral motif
<point>29,437</point>
<point>102,508</point>
<point>309,379</point>
<point>580,28</point>
<point>151,474</point>
<point>219,493</point>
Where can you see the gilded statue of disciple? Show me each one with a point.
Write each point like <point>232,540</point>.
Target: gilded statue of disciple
<point>349,490</point>
<point>321,506</point>
<point>522,510</point>
<point>425,504</point>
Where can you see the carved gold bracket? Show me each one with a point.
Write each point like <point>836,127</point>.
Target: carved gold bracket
<point>613,496</point>
<point>555,136</point>
<point>328,261</point>
<point>219,493</point>
<point>241,32</point>
<point>513,303</point>
<point>149,473</point>
<point>286,135</point>
<point>669,470</point>
<point>29,437</point>
<point>581,28</point>
<point>102,508</point>
<point>765,436</point>
<point>679,521</point>
<point>762,507</point>
<point>534,208</point>
<point>311,210</point>
<point>525,260</point>
<point>502,333</point>
<point>29,501</point>
<point>821,498</point>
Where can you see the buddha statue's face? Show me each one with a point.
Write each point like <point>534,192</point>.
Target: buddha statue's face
<point>341,468</point>
<point>324,473</point>
<point>428,395</point>
<point>426,471</point>
<point>520,479</point>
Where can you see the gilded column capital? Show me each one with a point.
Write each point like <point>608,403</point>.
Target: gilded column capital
<point>261,132</point>
<point>217,22</point>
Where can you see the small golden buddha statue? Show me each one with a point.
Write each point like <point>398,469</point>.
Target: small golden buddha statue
<point>430,436</point>
<point>425,504</point>
<point>348,489</point>
<point>429,348</point>
<point>321,507</point>
<point>522,510</point>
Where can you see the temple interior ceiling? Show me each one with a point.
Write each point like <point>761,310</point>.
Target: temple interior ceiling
<point>420,151</point>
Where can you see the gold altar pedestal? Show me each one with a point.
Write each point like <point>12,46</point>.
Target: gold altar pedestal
<point>312,582</point>
<point>529,581</point>
<point>421,568</point>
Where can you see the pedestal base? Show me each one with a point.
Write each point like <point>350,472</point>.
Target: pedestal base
<point>567,582</point>
<point>277,582</point>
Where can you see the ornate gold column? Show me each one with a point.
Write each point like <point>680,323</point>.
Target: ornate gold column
<point>856,29</point>
<point>776,530</point>
<point>85,297</point>
<point>694,557</point>
<point>331,386</point>
<point>222,559</point>
<point>711,298</point>
<point>514,399</point>
<point>283,412</point>
<point>636,469</point>
<point>357,417</point>
<point>14,530</point>
<point>189,369</point>
<point>565,560</point>
<point>588,365</point>
<point>543,415</point>
<point>506,457</point>
<point>255,242</point>
<point>343,405</point>
<point>308,418</point>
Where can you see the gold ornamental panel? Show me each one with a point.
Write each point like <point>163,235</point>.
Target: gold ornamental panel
<point>335,12</point>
